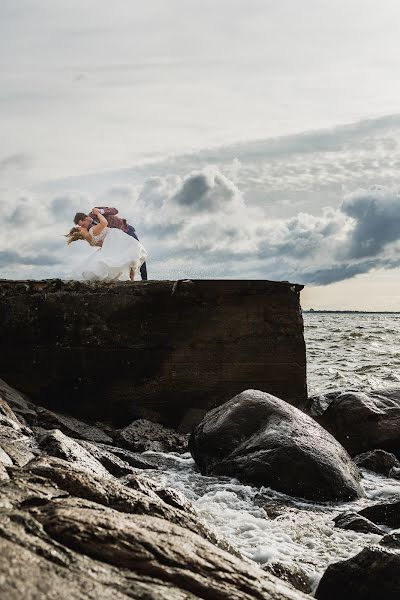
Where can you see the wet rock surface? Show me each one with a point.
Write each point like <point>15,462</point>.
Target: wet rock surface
<point>142,435</point>
<point>363,422</point>
<point>356,522</point>
<point>77,521</point>
<point>263,440</point>
<point>383,514</point>
<point>378,461</point>
<point>371,574</point>
<point>391,540</point>
<point>291,574</point>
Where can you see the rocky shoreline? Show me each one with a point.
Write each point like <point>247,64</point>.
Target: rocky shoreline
<point>81,519</point>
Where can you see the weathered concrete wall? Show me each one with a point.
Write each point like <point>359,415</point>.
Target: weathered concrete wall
<point>156,349</point>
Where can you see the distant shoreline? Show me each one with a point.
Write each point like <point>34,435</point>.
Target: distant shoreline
<point>352,312</point>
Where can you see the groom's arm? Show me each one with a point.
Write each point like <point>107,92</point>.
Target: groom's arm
<point>105,210</point>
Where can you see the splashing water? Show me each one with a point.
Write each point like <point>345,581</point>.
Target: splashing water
<point>344,351</point>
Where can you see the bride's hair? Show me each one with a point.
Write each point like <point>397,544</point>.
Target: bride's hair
<point>76,234</point>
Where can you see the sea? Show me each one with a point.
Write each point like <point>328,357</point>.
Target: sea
<point>357,351</point>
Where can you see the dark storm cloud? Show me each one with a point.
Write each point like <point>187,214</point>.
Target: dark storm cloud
<point>205,191</point>
<point>337,273</point>
<point>377,222</point>
<point>12,258</point>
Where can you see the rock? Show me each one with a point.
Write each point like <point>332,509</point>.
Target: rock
<point>264,441</point>
<point>378,461</point>
<point>142,435</point>
<point>355,522</point>
<point>66,534</point>
<point>163,347</point>
<point>391,540</point>
<point>371,574</point>
<point>114,465</point>
<point>71,426</point>
<point>5,459</point>
<point>394,473</point>
<point>19,447</point>
<point>109,492</point>
<point>362,422</point>
<point>33,566</point>
<point>6,411</point>
<point>146,545</point>
<point>383,514</point>
<point>57,444</point>
<point>18,403</point>
<point>291,574</point>
<point>133,459</point>
<point>3,472</point>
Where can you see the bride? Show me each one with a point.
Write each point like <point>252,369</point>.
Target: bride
<point>116,255</point>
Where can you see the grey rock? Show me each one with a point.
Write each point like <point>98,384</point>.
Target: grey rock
<point>71,426</point>
<point>356,522</point>
<point>5,459</point>
<point>263,440</point>
<point>391,540</point>
<point>134,459</point>
<point>145,544</point>
<point>115,465</point>
<point>20,448</point>
<point>394,473</point>
<point>290,573</point>
<point>61,539</point>
<point>365,421</point>
<point>22,408</point>
<point>142,435</point>
<point>57,444</point>
<point>387,513</point>
<point>371,574</point>
<point>378,461</point>
<point>6,411</point>
<point>4,476</point>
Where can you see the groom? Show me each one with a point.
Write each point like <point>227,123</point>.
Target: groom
<point>110,214</point>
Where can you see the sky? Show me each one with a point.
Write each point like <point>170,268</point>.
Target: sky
<point>242,138</point>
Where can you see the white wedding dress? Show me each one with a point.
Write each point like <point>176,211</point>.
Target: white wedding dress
<point>113,260</point>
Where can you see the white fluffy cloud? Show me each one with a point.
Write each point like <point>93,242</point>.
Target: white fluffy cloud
<point>199,225</point>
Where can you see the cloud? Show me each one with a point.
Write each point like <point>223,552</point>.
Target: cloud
<point>201,224</point>
<point>14,162</point>
<point>63,207</point>
<point>206,191</point>
<point>10,258</point>
<point>376,216</point>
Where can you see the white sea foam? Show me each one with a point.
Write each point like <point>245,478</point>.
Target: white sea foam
<point>304,532</point>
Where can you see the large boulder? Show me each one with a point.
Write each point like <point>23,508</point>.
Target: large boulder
<point>363,421</point>
<point>371,574</point>
<point>265,441</point>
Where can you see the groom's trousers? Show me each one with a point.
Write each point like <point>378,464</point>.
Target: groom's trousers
<point>143,269</point>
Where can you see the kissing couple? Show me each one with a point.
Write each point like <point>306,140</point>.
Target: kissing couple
<point>117,255</point>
